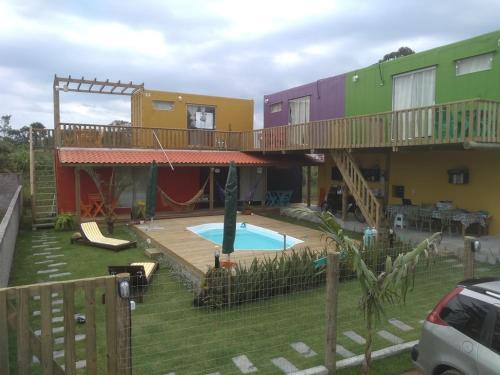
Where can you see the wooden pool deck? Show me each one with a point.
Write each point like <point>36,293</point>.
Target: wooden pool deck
<point>195,254</point>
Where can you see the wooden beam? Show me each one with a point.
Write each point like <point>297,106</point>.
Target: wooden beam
<point>92,84</point>
<point>211,191</point>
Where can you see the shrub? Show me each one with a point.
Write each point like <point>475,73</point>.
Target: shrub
<point>64,221</point>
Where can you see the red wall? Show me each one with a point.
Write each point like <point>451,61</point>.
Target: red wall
<point>181,185</point>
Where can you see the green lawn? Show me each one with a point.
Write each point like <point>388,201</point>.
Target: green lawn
<point>169,334</point>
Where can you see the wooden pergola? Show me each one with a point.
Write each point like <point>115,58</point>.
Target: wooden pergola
<point>90,86</point>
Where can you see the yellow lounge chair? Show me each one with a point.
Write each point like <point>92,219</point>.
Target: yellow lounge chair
<point>92,235</point>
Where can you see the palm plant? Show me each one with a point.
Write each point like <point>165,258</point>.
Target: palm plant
<point>388,286</point>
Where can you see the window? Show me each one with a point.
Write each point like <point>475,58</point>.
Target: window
<point>398,191</point>
<point>200,116</point>
<point>474,64</point>
<point>414,89</point>
<point>163,105</point>
<point>299,110</point>
<point>466,315</point>
<point>276,107</point>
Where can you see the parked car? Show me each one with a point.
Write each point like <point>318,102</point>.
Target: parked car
<point>462,334</point>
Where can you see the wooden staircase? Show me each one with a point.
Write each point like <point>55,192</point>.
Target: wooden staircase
<point>42,180</point>
<point>365,199</point>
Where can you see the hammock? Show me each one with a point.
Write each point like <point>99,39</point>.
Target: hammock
<point>187,205</point>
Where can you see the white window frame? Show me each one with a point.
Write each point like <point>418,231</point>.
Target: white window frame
<point>488,56</point>
<point>163,105</point>
<point>307,109</point>
<point>276,107</point>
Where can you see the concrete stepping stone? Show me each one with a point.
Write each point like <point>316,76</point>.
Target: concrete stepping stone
<point>212,373</point>
<point>54,256</point>
<point>244,364</point>
<point>355,337</point>
<point>450,260</point>
<point>421,321</point>
<point>53,248</point>
<point>393,339</point>
<point>56,275</point>
<point>50,242</point>
<point>54,311</point>
<point>343,352</point>
<point>45,261</point>
<point>39,246</point>
<point>38,332</point>
<point>57,319</point>
<point>303,349</point>
<point>78,364</point>
<point>57,302</point>
<point>60,340</point>
<point>44,253</point>
<point>57,264</point>
<point>284,365</point>
<point>400,325</point>
<point>482,269</point>
<point>50,270</point>
<point>459,265</point>
<point>53,295</point>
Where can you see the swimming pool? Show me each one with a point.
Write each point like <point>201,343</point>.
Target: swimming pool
<point>248,236</point>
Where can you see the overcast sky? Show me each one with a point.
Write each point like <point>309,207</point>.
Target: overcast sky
<point>228,48</point>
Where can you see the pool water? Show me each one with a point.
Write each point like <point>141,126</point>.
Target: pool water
<point>248,236</point>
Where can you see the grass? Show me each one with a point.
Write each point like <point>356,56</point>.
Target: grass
<point>169,334</point>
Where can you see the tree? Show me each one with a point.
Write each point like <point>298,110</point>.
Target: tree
<point>5,126</point>
<point>389,286</point>
<point>402,51</point>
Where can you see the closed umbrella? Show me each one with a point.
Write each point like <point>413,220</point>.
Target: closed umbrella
<point>230,203</point>
<point>151,192</point>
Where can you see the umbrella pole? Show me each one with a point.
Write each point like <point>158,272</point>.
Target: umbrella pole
<point>229,281</point>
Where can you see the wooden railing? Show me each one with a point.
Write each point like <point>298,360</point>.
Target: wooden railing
<point>456,122</point>
<point>42,138</point>
<point>90,135</point>
<point>365,199</point>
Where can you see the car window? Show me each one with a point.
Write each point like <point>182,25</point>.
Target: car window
<point>495,342</point>
<point>465,314</point>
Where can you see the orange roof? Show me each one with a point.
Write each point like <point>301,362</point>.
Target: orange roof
<point>106,156</point>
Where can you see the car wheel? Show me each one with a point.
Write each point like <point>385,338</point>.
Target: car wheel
<point>451,372</point>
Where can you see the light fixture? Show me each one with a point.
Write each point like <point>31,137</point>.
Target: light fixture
<point>124,289</point>
<point>475,246</point>
<point>179,98</point>
<point>355,78</point>
<point>266,100</point>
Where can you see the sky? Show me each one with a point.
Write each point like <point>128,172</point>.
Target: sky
<point>243,49</point>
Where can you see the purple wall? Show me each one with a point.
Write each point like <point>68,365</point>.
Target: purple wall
<point>327,101</point>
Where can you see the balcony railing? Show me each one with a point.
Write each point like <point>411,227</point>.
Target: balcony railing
<point>448,123</point>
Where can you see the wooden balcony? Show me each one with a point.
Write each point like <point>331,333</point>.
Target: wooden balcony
<point>449,123</point>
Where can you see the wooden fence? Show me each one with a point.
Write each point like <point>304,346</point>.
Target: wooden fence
<point>24,307</point>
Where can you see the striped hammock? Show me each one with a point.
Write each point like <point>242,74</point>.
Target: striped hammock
<point>182,206</point>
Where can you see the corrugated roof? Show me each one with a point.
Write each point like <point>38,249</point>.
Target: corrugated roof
<point>176,157</point>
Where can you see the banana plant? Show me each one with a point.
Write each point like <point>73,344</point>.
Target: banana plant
<point>387,287</point>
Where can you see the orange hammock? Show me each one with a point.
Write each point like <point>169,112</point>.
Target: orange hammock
<point>180,206</point>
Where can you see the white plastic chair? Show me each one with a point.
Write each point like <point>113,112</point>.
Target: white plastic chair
<point>399,221</point>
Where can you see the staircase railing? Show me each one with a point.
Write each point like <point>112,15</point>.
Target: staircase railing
<point>365,199</point>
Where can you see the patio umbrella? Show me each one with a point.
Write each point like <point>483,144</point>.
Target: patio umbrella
<point>230,203</point>
<point>151,192</point>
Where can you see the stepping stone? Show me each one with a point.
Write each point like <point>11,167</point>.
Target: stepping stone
<point>79,364</point>
<point>38,332</point>
<point>212,373</point>
<point>303,349</point>
<point>56,264</point>
<point>54,311</point>
<point>421,321</point>
<point>44,253</point>
<point>450,261</point>
<point>57,319</point>
<point>45,261</point>
<point>53,248</point>
<point>60,340</point>
<point>244,364</point>
<point>483,269</point>
<point>50,242</point>
<point>284,365</point>
<point>37,246</point>
<point>400,325</point>
<point>343,352</point>
<point>53,295</point>
<point>355,337</point>
<point>390,337</point>
<point>58,354</point>
<point>54,256</point>
<point>172,373</point>
<point>460,265</point>
<point>54,275</point>
<point>57,302</point>
<point>39,240</point>
<point>50,270</point>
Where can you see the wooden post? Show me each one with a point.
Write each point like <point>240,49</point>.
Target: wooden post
<point>308,186</point>
<point>264,184</point>
<point>468,257</point>
<point>77,195</point>
<point>332,280</point>
<point>32,176</point>
<point>57,115</point>
<point>123,330</point>
<point>211,192</point>
<point>344,201</point>
<point>4,333</point>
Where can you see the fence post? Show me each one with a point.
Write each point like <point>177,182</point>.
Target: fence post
<point>468,257</point>
<point>123,329</point>
<point>332,280</point>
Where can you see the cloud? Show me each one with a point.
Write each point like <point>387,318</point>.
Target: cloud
<point>223,47</point>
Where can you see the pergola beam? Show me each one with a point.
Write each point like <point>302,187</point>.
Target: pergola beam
<point>106,87</point>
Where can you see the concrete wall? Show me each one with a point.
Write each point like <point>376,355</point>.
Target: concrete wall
<point>11,203</point>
